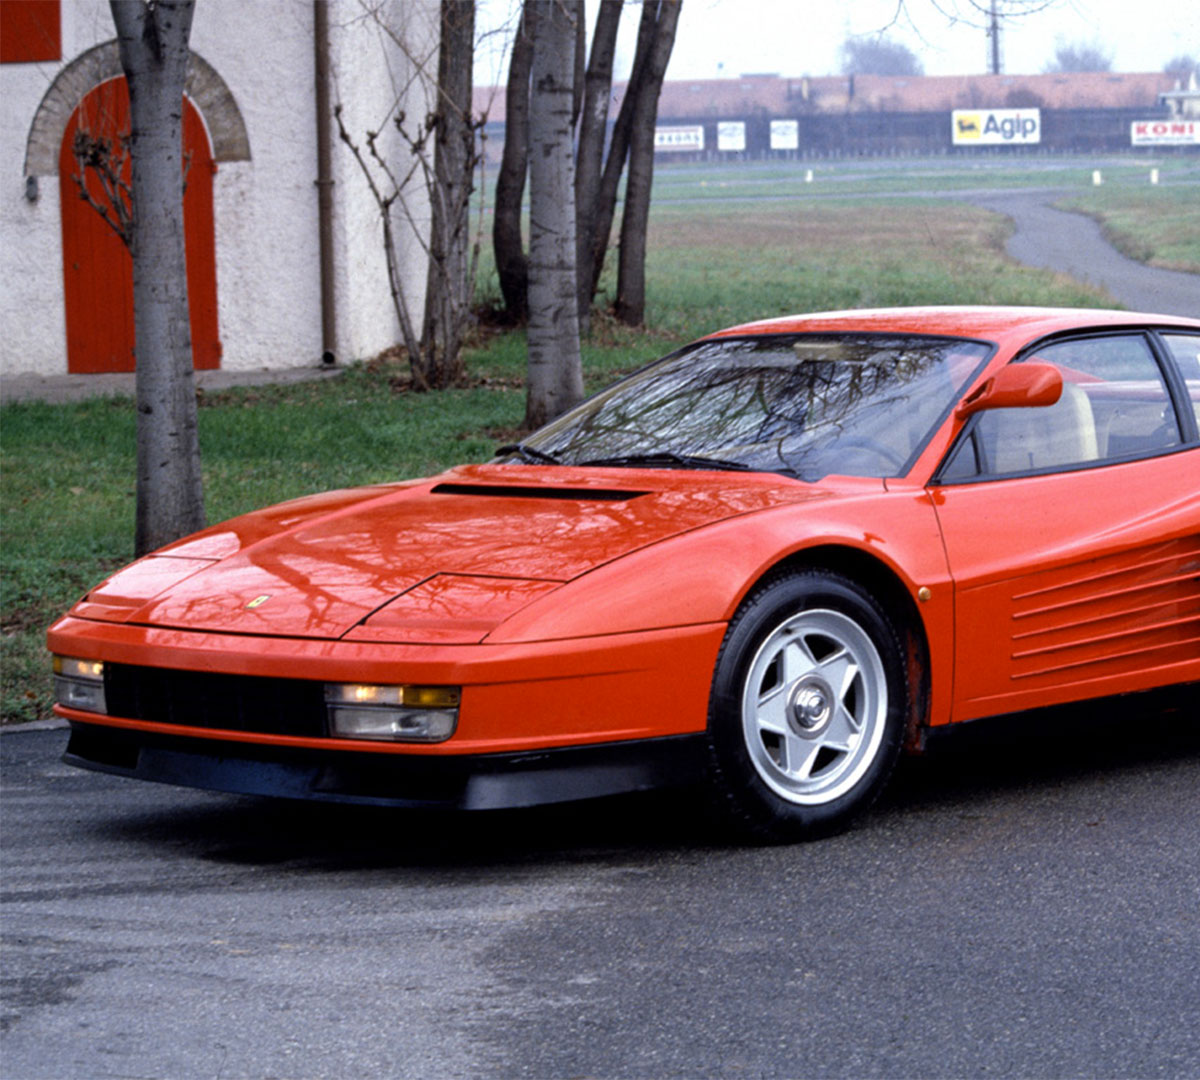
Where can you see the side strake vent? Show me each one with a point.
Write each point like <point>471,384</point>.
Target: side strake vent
<point>1125,612</point>
<point>515,491</point>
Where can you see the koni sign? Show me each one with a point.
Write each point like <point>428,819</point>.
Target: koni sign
<point>1175,132</point>
<point>996,127</point>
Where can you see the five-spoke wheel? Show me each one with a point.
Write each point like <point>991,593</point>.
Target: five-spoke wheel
<point>808,702</point>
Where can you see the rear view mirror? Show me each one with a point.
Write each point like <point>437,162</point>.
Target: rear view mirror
<point>1031,385</point>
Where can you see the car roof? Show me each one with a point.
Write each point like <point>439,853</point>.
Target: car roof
<point>988,323</point>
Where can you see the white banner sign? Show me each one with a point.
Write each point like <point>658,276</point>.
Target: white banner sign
<point>996,127</point>
<point>679,138</point>
<point>1176,132</point>
<point>785,135</point>
<point>731,135</point>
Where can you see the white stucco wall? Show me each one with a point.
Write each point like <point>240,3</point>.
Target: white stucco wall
<point>33,333</point>
<point>265,209</point>
<point>370,73</point>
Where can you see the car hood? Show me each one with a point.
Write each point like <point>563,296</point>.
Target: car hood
<point>442,560</point>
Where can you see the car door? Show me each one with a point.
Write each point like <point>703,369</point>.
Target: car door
<point>1073,532</point>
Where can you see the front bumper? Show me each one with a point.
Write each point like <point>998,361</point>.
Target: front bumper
<point>516,698</point>
<point>462,782</point>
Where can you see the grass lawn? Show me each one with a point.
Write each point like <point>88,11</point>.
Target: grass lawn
<point>66,492</point>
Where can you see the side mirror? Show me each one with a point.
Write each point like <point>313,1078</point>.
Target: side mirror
<point>1031,385</point>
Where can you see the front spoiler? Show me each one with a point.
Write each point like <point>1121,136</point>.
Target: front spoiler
<point>479,782</point>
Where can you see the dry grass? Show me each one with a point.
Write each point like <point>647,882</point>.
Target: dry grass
<point>715,264</point>
<point>828,226</point>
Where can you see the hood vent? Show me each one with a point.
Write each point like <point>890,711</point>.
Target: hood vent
<point>515,491</point>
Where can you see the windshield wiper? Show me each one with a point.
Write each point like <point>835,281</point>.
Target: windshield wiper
<point>529,453</point>
<point>662,459</point>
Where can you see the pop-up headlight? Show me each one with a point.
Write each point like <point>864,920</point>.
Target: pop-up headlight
<point>79,684</point>
<point>392,713</point>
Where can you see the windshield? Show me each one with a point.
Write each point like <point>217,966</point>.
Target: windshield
<point>803,405</point>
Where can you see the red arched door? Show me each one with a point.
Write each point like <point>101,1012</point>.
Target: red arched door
<point>97,269</point>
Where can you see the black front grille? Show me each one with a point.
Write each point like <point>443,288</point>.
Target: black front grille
<point>207,700</point>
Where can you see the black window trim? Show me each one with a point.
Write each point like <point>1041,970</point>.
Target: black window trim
<point>1189,427</point>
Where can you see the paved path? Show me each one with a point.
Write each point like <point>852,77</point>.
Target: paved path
<point>1022,903</point>
<point>1074,244</point>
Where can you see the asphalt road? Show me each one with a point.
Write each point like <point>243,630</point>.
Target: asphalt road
<point>1024,903</point>
<point>1074,244</point>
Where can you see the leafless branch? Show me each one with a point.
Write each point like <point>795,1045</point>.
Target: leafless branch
<point>384,202</point>
<point>108,161</point>
<point>420,172</point>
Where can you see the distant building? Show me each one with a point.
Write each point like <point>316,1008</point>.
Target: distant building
<point>780,97</point>
<point>252,209</point>
<point>1183,100</point>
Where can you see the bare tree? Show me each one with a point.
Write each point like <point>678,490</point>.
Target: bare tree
<point>593,129</point>
<point>440,159</point>
<point>1184,67</point>
<point>450,289</point>
<point>512,266</point>
<point>555,378</point>
<point>630,306</point>
<point>604,209</point>
<point>1079,56</point>
<point>877,55</point>
<point>598,175</point>
<point>991,16</point>
<point>152,37</point>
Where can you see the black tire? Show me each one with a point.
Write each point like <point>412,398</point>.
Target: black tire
<point>808,706</point>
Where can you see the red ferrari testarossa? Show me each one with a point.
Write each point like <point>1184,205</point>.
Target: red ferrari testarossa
<point>766,562</point>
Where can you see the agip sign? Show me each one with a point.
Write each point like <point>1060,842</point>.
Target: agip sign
<point>1174,132</point>
<point>996,127</point>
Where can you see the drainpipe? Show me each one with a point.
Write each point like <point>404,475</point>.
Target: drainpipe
<point>324,183</point>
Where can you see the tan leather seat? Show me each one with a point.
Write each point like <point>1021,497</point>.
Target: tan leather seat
<point>1043,438</point>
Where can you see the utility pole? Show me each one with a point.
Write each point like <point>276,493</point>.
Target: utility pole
<point>994,33</point>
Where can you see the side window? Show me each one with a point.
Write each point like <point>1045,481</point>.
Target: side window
<point>1114,405</point>
<point>1185,348</point>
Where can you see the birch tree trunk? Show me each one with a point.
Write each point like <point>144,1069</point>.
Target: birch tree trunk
<point>555,380</point>
<point>153,42</point>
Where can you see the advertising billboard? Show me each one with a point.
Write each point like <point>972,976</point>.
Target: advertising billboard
<point>689,137</point>
<point>785,135</point>
<point>1174,132</point>
<point>731,135</point>
<point>996,127</point>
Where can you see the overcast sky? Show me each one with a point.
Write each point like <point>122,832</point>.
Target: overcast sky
<point>727,38</point>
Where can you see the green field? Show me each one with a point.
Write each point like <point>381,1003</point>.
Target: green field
<point>749,249</point>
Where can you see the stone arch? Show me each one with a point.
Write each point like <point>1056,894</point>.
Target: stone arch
<point>207,90</point>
